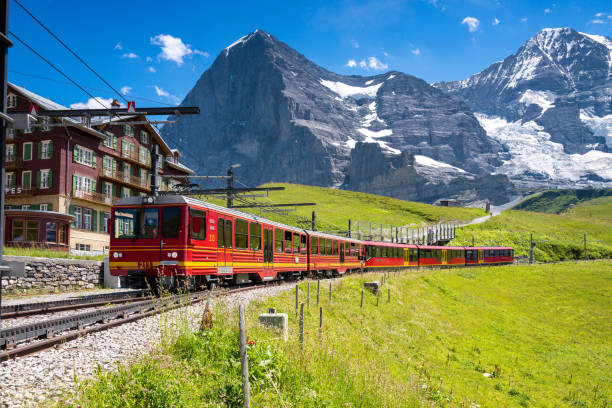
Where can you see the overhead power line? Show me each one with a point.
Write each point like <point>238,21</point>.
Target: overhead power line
<point>56,68</point>
<point>70,49</point>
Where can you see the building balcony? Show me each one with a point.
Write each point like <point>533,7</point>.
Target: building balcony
<point>13,162</point>
<point>126,179</point>
<point>133,157</point>
<point>94,197</point>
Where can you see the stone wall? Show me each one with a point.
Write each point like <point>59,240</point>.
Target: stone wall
<point>54,274</point>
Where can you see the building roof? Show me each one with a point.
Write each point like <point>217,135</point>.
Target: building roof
<point>180,167</point>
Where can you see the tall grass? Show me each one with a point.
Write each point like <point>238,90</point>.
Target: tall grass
<point>48,253</point>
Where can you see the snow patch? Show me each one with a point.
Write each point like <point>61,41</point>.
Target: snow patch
<point>345,90</point>
<point>372,116</point>
<point>371,133</point>
<point>600,126</point>
<point>429,162</point>
<point>532,152</point>
<point>544,99</point>
<point>391,77</point>
<point>351,143</point>
<point>371,137</point>
<point>369,82</point>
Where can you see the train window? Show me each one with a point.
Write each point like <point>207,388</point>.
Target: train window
<point>136,223</point>
<point>314,245</point>
<point>287,242</point>
<point>220,230</point>
<point>347,249</point>
<point>296,243</point>
<point>278,240</point>
<point>242,234</point>
<point>171,222</point>
<point>335,247</point>
<point>303,247</point>
<point>228,235</point>
<point>255,236</point>
<point>328,246</point>
<point>197,223</point>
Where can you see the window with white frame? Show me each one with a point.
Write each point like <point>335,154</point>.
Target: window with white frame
<point>108,190</point>
<point>128,130</point>
<point>127,171</point>
<point>109,166</point>
<point>84,156</point>
<point>26,179</point>
<point>78,217</point>
<point>25,206</point>
<point>11,101</point>
<point>44,207</point>
<point>84,184</point>
<point>10,133</point>
<point>27,151</point>
<point>125,192</point>
<point>45,178</point>
<point>45,152</point>
<point>144,137</point>
<point>104,225</point>
<point>10,152</point>
<point>82,247</point>
<point>11,179</point>
<point>110,141</point>
<point>143,177</point>
<point>87,219</point>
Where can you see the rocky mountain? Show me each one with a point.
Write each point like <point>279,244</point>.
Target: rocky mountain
<point>284,118</point>
<point>550,105</point>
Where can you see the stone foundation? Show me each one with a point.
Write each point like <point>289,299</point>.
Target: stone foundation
<point>54,274</point>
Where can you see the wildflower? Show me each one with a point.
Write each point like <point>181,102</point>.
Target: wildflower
<point>251,342</point>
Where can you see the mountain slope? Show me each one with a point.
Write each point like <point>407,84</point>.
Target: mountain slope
<point>549,105</point>
<point>284,118</point>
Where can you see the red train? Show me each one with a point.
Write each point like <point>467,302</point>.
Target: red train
<point>185,241</point>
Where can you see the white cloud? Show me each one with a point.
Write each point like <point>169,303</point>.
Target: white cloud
<point>160,91</point>
<point>524,20</point>
<point>151,69</point>
<point>149,59</point>
<point>174,49</point>
<point>375,63</point>
<point>355,43</point>
<point>472,23</point>
<point>495,21</point>
<point>416,52</point>
<point>598,22</point>
<point>600,14</point>
<point>93,104</point>
<point>385,53</point>
<point>351,63</point>
<point>118,46</point>
<point>126,89</point>
<point>546,10</point>
<point>130,55</point>
<point>363,64</point>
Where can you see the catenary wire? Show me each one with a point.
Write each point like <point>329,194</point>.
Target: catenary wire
<point>70,49</point>
<point>57,69</point>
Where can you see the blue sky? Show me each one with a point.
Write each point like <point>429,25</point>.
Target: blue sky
<point>155,51</point>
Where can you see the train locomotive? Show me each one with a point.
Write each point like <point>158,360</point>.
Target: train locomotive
<point>180,241</point>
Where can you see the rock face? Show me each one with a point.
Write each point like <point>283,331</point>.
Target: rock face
<point>549,104</point>
<point>284,118</point>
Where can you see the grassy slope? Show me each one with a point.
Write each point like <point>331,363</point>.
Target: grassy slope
<point>542,332</point>
<point>48,253</point>
<point>558,236</point>
<point>336,207</point>
<point>557,201</point>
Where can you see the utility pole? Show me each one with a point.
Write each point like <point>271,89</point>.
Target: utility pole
<point>230,186</point>
<point>5,43</point>
<point>314,221</point>
<point>585,248</point>
<point>531,248</point>
<point>154,169</point>
<point>473,241</point>
<point>349,229</point>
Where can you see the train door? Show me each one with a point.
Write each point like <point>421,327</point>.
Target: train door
<point>480,256</point>
<point>225,244</point>
<point>268,250</point>
<point>171,231</point>
<point>444,258</point>
<point>341,252</point>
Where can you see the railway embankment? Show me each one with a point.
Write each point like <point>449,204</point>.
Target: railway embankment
<point>54,274</point>
<point>493,336</point>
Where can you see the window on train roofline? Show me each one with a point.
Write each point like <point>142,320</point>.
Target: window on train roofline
<point>278,240</point>
<point>171,222</point>
<point>228,234</point>
<point>335,248</point>
<point>287,247</point>
<point>197,224</point>
<point>255,236</point>
<point>296,243</point>
<point>242,234</point>
<point>314,245</point>
<point>303,246</point>
<point>328,247</point>
<point>220,230</point>
<point>136,223</point>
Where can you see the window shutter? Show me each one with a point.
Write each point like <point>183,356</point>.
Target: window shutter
<point>75,153</point>
<point>102,226</point>
<point>38,179</point>
<point>72,212</point>
<point>123,147</point>
<point>114,190</point>
<point>14,180</point>
<point>50,179</point>
<point>50,207</point>
<point>39,152</point>
<point>94,160</point>
<point>93,185</point>
<point>94,221</point>
<point>34,207</point>
<point>125,129</point>
<point>27,151</point>
<point>114,142</point>
<point>74,183</point>
<point>51,149</point>
<point>114,165</point>
<point>27,180</point>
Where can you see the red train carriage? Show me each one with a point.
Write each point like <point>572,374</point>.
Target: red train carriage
<point>441,256</point>
<point>182,239</point>
<point>389,255</point>
<point>489,255</point>
<point>331,255</point>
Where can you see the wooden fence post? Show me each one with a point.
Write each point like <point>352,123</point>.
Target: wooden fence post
<point>320,322</point>
<point>302,326</point>
<point>308,295</point>
<point>318,290</point>
<point>244,362</point>
<point>361,298</point>
<point>330,291</point>
<point>297,296</point>
<point>388,295</point>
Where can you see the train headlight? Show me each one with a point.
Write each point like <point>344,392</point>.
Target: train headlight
<point>116,255</point>
<point>169,254</point>
<point>174,255</point>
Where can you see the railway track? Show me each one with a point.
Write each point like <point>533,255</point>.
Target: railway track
<point>29,309</point>
<point>28,339</point>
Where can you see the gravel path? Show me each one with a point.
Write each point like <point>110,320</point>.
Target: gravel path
<point>30,380</point>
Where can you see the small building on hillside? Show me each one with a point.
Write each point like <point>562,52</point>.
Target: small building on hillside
<point>448,202</point>
<point>37,228</point>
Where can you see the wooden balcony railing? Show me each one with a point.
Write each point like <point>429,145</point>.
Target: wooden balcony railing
<point>13,162</point>
<point>126,178</point>
<point>95,197</point>
<point>135,158</point>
